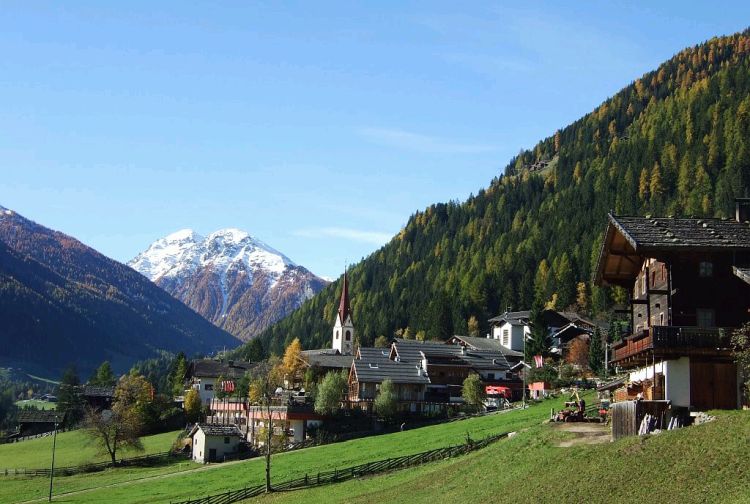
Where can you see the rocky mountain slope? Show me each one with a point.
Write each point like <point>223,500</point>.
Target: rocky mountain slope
<point>231,278</point>
<point>62,302</point>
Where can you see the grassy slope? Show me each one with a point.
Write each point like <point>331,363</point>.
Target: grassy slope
<point>42,405</point>
<point>73,448</point>
<point>707,463</point>
<point>288,465</point>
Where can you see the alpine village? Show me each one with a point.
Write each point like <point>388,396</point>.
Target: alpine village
<point>576,331</point>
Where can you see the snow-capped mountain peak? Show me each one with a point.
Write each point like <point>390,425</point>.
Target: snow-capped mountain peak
<point>214,274</point>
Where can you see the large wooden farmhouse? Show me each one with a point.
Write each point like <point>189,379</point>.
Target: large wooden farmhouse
<point>688,289</point>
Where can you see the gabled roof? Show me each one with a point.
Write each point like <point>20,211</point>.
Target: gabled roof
<point>379,370</point>
<point>371,354</point>
<point>570,331</point>
<point>210,368</point>
<point>327,358</point>
<point>551,317</point>
<point>412,350</point>
<point>216,430</point>
<point>628,240</point>
<point>40,416</point>
<point>486,360</point>
<point>513,317</point>
<point>98,391</point>
<point>476,343</point>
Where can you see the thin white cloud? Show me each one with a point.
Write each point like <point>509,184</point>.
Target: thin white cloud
<point>373,237</point>
<point>421,143</point>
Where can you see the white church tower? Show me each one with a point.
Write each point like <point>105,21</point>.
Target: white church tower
<point>343,329</point>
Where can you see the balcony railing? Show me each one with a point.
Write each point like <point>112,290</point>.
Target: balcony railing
<point>672,338</point>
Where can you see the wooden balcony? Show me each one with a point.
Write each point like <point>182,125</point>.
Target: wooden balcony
<point>674,341</point>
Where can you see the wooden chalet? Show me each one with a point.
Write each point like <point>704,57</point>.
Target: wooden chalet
<point>688,289</point>
<point>98,397</point>
<point>32,422</point>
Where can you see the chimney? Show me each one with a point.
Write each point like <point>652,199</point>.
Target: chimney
<point>742,209</point>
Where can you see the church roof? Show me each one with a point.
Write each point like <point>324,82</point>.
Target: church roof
<point>344,307</point>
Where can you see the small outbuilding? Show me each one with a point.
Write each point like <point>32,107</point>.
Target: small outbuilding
<point>214,443</point>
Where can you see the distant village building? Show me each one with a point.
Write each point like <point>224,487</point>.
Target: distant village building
<point>203,375</point>
<point>98,397</point>
<point>214,443</point>
<point>343,328</point>
<point>687,292</point>
<point>513,327</point>
<point>32,422</point>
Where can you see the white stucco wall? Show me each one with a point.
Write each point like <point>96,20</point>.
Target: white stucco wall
<point>677,381</point>
<point>199,384</point>
<point>339,336</point>
<point>202,444</point>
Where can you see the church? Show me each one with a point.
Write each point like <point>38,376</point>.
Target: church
<point>343,328</point>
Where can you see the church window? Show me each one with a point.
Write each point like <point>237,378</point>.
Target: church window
<point>337,334</point>
<point>348,335</point>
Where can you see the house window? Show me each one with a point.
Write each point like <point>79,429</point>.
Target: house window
<point>490,376</point>
<point>706,269</point>
<point>661,318</point>
<point>208,386</point>
<point>348,335</point>
<point>506,337</point>
<point>226,440</point>
<point>643,284</point>
<point>706,317</point>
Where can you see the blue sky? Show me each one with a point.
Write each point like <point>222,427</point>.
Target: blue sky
<point>318,127</point>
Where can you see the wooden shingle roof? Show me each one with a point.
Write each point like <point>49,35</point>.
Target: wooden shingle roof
<point>384,369</point>
<point>40,416</point>
<point>628,240</point>
<point>216,430</point>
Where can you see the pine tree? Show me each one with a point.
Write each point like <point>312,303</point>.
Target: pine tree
<point>69,401</point>
<point>103,376</point>
<point>596,352</point>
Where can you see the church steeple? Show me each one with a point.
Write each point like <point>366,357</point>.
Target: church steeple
<point>344,308</point>
<point>343,328</point>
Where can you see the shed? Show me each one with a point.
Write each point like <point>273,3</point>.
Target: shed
<point>213,443</point>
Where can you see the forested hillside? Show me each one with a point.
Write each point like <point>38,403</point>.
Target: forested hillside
<point>674,142</point>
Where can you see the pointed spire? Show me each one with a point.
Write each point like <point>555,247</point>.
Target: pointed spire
<point>344,308</point>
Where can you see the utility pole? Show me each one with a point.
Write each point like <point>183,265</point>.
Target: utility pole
<point>52,471</point>
<point>523,368</point>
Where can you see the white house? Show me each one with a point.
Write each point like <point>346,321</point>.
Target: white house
<point>212,442</point>
<point>511,328</point>
<point>203,375</point>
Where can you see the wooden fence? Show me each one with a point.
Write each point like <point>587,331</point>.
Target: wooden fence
<point>628,415</point>
<point>141,461</point>
<point>339,475</point>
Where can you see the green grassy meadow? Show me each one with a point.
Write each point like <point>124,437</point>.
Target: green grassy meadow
<point>706,463</point>
<point>36,403</point>
<point>73,448</point>
<point>180,481</point>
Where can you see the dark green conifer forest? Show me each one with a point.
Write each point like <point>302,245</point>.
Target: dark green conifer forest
<point>674,142</point>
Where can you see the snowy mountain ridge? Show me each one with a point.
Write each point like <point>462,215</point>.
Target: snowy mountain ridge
<point>232,278</point>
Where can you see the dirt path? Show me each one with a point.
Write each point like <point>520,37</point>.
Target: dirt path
<point>586,433</point>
